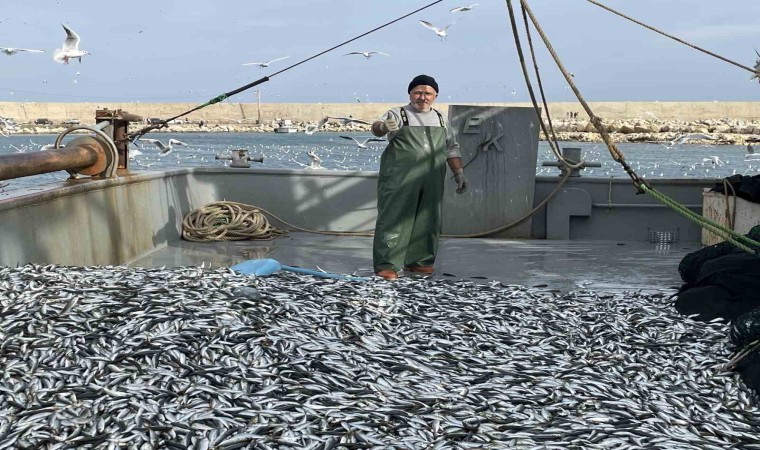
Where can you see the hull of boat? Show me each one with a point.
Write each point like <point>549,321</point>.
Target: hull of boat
<point>117,221</point>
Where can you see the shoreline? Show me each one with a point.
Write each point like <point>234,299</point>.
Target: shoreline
<point>715,131</point>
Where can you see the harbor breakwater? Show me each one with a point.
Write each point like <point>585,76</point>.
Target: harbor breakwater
<point>729,122</point>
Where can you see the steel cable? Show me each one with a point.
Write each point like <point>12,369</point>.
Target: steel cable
<point>219,98</point>
<point>715,55</point>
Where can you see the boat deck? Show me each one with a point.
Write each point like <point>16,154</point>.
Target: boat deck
<point>562,265</point>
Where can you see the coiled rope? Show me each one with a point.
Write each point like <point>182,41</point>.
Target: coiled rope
<point>233,221</point>
<point>227,221</point>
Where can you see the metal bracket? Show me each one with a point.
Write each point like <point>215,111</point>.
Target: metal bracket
<point>112,154</point>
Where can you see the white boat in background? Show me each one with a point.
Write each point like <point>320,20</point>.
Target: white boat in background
<point>286,126</point>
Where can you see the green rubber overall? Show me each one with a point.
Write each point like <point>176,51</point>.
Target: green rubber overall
<point>409,194</point>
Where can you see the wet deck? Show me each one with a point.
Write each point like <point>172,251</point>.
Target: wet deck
<point>563,265</point>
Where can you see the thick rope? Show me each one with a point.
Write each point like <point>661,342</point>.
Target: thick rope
<point>727,234</point>
<point>233,221</point>
<point>553,139</point>
<point>227,221</point>
<point>730,218</point>
<point>552,144</point>
<point>518,220</point>
<point>617,155</point>
<point>740,355</point>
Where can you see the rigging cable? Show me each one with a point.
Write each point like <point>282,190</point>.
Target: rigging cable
<point>743,242</point>
<point>617,155</point>
<point>133,136</point>
<point>673,37</point>
<point>552,144</point>
<point>553,138</point>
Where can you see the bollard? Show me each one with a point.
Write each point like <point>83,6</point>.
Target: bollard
<point>572,155</point>
<point>240,159</point>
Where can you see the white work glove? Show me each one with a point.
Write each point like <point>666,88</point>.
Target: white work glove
<point>461,181</point>
<point>390,124</point>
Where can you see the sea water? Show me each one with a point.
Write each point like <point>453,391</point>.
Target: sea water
<point>289,151</point>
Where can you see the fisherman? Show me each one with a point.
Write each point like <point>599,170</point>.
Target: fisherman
<point>410,183</point>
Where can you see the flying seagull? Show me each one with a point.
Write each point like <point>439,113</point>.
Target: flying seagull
<point>441,32</point>
<point>132,153</point>
<point>315,161</point>
<point>236,120</point>
<point>464,8</point>
<point>688,137</point>
<point>693,136</point>
<point>367,55</point>
<point>264,64</point>
<point>70,48</point>
<point>714,160</point>
<point>311,129</point>
<point>12,50</point>
<point>363,144</point>
<point>347,120</point>
<point>165,149</point>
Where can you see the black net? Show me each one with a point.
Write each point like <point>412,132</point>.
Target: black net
<point>746,328</point>
<point>720,281</point>
<point>692,263</point>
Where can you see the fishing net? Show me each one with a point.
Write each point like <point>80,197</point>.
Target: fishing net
<point>746,328</point>
<point>692,263</point>
<point>746,187</point>
<point>720,281</point>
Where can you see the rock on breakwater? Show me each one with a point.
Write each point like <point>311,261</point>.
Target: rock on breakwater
<point>721,131</point>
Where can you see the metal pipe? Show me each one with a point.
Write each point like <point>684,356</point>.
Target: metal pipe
<point>28,164</point>
<point>638,205</point>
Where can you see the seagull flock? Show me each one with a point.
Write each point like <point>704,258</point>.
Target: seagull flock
<point>678,140</point>
<point>311,129</point>
<point>442,32</point>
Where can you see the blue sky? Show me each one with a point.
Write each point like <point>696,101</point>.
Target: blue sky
<point>190,50</point>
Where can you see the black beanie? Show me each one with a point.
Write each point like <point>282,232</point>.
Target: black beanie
<point>425,80</point>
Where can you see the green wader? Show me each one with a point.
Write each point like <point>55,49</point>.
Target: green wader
<point>409,194</point>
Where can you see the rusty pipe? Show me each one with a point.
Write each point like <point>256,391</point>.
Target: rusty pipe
<point>77,158</point>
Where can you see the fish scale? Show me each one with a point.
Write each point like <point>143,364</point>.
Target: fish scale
<point>182,358</point>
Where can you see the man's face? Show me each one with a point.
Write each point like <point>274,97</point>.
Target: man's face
<point>422,97</point>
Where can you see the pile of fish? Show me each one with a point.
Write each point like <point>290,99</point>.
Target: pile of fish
<point>191,357</point>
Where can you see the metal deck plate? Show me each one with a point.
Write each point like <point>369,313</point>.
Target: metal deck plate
<point>563,265</point>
